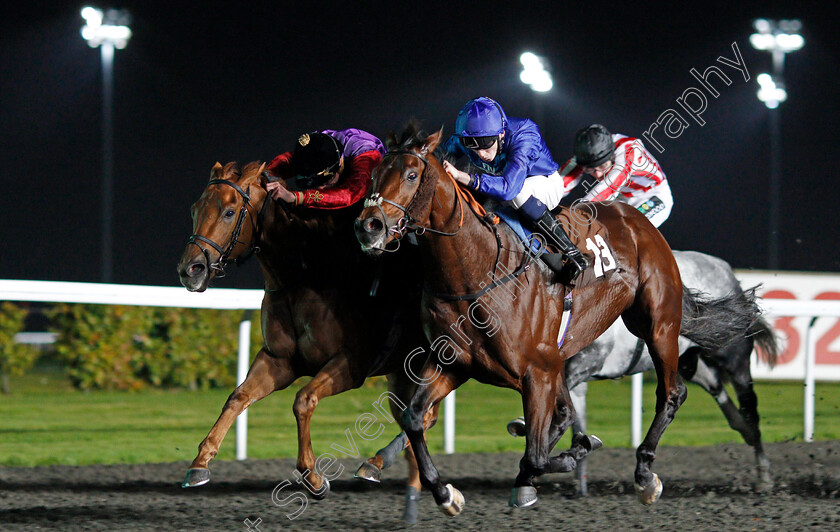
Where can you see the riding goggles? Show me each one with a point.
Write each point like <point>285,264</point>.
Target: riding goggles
<point>478,143</point>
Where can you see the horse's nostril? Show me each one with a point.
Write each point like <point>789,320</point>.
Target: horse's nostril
<point>195,269</point>
<point>373,225</point>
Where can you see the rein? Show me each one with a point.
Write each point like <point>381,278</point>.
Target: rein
<point>523,267</point>
<point>225,252</point>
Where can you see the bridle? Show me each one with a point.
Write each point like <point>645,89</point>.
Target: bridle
<point>226,250</point>
<point>408,224</point>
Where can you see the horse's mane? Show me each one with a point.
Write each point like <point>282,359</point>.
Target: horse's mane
<point>413,136</point>
<point>234,168</point>
<point>310,221</point>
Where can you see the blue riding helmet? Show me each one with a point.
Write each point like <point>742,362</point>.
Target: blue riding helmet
<point>480,117</point>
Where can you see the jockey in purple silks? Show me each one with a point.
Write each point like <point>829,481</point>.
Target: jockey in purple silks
<point>333,168</point>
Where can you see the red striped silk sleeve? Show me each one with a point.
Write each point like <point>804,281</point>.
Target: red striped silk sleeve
<point>616,178</point>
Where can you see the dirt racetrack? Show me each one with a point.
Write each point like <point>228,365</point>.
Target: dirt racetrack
<point>706,488</point>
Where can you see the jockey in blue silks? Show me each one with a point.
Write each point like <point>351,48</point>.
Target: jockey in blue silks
<point>513,165</point>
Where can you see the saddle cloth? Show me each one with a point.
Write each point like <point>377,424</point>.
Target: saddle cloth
<point>582,229</point>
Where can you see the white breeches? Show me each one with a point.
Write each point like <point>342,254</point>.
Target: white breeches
<point>548,189</point>
<point>655,204</point>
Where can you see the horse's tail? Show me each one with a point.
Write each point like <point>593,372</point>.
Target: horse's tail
<point>763,338</point>
<point>714,323</point>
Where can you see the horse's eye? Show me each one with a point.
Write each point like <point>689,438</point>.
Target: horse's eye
<point>412,176</point>
<point>229,213</point>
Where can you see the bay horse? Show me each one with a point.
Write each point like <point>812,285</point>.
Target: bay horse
<point>617,353</point>
<point>318,316</point>
<point>513,337</point>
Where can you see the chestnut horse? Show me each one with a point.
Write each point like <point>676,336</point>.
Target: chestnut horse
<point>318,316</point>
<point>475,270</point>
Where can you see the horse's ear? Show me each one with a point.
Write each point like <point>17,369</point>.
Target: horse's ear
<point>216,171</point>
<point>391,142</point>
<point>432,141</point>
<point>261,175</point>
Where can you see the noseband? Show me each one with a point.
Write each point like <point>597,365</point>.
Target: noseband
<point>227,249</point>
<point>407,223</point>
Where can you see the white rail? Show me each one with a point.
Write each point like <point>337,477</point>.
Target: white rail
<point>165,296</point>
<point>813,309</point>
<point>225,298</point>
<point>150,296</point>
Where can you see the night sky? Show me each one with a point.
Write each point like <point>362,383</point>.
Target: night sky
<point>239,81</point>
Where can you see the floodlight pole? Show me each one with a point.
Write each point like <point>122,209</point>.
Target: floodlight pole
<point>778,38</point>
<point>775,169</point>
<point>108,31</point>
<point>775,188</point>
<point>107,161</point>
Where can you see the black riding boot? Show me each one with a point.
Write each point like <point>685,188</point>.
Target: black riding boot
<point>575,261</point>
<point>547,225</point>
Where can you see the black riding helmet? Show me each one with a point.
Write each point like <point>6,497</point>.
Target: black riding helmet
<point>316,159</point>
<point>593,146</point>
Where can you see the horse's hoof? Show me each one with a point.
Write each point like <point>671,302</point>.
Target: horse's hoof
<point>587,441</point>
<point>411,506</point>
<point>321,493</point>
<point>765,483</point>
<point>516,427</point>
<point>765,478</point>
<point>196,476</point>
<point>523,497</point>
<point>455,504</point>
<point>651,493</point>
<point>369,472</point>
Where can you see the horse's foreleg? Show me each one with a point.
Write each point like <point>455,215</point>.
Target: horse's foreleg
<point>267,374</point>
<point>371,469</point>
<point>333,379</point>
<point>582,444</point>
<point>670,394</point>
<point>401,385</point>
<point>539,396</point>
<point>412,489</point>
<point>447,497</point>
<point>413,484</point>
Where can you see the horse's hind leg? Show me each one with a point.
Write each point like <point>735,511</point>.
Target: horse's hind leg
<point>267,374</point>
<point>662,343</point>
<point>743,419</point>
<point>749,412</point>
<point>734,360</point>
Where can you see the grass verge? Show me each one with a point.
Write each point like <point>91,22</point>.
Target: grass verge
<point>44,421</point>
